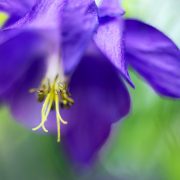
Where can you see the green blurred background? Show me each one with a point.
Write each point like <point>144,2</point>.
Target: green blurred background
<point>144,146</point>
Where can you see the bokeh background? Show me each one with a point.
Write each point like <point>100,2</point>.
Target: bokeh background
<point>144,146</point>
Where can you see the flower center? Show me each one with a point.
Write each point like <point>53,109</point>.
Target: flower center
<point>54,96</point>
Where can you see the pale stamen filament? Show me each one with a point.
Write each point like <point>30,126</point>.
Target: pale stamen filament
<point>57,118</point>
<point>44,112</point>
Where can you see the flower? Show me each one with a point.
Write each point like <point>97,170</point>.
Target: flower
<point>78,46</point>
<point>39,50</point>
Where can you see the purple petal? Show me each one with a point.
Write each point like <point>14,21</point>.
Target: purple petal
<point>23,105</point>
<point>79,21</point>
<point>36,20</point>
<point>154,56</point>
<point>73,24</point>
<point>16,7</point>
<point>100,98</point>
<point>109,40</point>
<point>42,12</point>
<point>17,54</point>
<point>82,143</point>
<point>11,20</point>
<point>110,8</point>
<point>27,45</point>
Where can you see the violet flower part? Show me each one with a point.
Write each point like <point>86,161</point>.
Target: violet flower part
<point>154,56</point>
<point>18,7</point>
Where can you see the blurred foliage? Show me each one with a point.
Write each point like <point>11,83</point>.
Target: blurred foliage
<point>143,146</point>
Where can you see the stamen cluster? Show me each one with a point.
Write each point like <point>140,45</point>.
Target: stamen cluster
<point>53,95</point>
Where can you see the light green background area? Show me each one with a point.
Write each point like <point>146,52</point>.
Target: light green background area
<point>144,146</point>
<point>163,14</point>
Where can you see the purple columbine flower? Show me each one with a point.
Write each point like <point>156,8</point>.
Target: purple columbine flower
<point>73,52</point>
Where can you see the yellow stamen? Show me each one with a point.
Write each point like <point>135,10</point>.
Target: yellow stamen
<point>53,95</point>
<point>45,112</point>
<point>57,118</point>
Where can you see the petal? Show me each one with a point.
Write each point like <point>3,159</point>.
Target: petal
<point>36,20</point>
<point>16,7</point>
<point>154,56</point>
<point>42,12</point>
<point>79,21</point>
<point>100,98</point>
<point>23,105</point>
<point>11,20</point>
<point>17,54</point>
<point>110,8</point>
<point>73,22</point>
<point>82,143</point>
<point>97,82</point>
<point>109,40</point>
